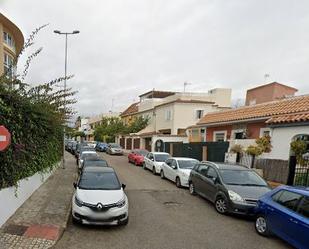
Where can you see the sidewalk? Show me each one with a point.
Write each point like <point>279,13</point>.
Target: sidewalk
<point>40,221</point>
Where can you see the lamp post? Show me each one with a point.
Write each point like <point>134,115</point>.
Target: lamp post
<point>65,79</point>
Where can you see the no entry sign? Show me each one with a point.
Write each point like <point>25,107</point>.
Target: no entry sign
<point>5,138</point>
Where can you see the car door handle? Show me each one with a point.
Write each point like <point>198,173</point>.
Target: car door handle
<point>294,221</point>
<point>269,208</point>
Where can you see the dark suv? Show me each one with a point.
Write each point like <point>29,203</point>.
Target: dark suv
<point>232,188</point>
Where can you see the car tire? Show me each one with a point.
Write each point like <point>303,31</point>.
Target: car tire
<point>154,170</point>
<point>124,222</point>
<point>135,163</point>
<point>162,174</point>
<point>75,221</point>
<point>178,182</point>
<point>192,188</point>
<point>221,205</point>
<point>261,226</point>
<point>144,166</point>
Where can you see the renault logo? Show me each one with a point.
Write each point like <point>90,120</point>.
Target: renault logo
<point>99,206</point>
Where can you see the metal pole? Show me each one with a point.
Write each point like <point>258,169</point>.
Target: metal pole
<point>65,88</point>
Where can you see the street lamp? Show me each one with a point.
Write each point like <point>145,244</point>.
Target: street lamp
<point>65,77</point>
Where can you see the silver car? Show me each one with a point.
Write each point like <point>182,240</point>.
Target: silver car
<point>114,149</point>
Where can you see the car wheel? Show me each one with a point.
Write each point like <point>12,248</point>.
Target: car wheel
<point>261,226</point>
<point>221,205</point>
<point>75,221</point>
<point>154,170</point>
<point>162,174</point>
<point>178,183</point>
<point>191,188</point>
<point>124,222</point>
<point>135,163</point>
<point>144,166</point>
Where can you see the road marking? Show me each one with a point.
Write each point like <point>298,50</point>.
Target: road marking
<point>2,138</point>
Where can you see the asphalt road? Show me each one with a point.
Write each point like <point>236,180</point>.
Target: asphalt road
<point>163,216</point>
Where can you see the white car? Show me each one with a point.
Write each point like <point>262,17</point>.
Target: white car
<point>178,169</point>
<point>85,154</point>
<point>114,149</point>
<point>99,198</point>
<point>154,161</point>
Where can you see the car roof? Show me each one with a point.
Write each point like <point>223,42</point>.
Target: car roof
<point>88,151</point>
<point>230,166</point>
<point>159,153</point>
<point>296,189</point>
<point>99,169</point>
<point>184,158</point>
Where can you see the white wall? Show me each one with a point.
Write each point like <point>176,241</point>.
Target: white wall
<point>281,139</point>
<point>10,203</point>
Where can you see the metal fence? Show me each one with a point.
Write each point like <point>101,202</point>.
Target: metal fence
<point>301,177</point>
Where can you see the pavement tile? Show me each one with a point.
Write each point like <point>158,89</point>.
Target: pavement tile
<point>43,231</point>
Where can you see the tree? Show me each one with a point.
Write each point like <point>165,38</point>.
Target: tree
<point>263,144</point>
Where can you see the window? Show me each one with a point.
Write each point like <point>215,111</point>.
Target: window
<point>264,132</point>
<point>303,208</point>
<point>219,136</point>
<point>203,135</point>
<point>199,114</point>
<point>168,115</point>
<point>288,199</point>
<point>8,62</point>
<point>202,169</point>
<point>7,38</point>
<point>174,164</point>
<point>211,173</point>
<point>169,162</point>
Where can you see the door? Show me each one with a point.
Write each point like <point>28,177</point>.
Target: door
<point>210,188</point>
<point>167,168</point>
<point>131,156</point>
<point>198,178</point>
<point>280,214</point>
<point>171,171</point>
<point>150,160</point>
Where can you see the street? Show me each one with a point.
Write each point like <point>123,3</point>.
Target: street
<point>163,216</point>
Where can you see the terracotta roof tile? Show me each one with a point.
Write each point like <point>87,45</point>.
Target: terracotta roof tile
<point>130,110</point>
<point>291,105</point>
<point>302,117</point>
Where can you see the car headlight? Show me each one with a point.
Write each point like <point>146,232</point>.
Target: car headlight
<point>121,203</point>
<point>235,197</point>
<point>78,202</point>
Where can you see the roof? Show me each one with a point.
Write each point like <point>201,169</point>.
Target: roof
<point>184,158</point>
<point>158,94</point>
<point>98,169</point>
<point>133,108</point>
<point>221,165</point>
<point>188,101</point>
<point>298,189</point>
<point>293,105</point>
<point>301,117</point>
<point>273,83</point>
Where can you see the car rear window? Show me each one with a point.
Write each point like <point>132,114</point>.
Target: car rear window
<point>100,163</point>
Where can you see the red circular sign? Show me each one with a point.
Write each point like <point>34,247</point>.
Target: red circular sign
<point>5,138</point>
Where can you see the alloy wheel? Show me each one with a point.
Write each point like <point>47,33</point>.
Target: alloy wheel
<point>191,188</point>
<point>260,225</point>
<point>178,183</point>
<point>162,174</point>
<point>221,206</point>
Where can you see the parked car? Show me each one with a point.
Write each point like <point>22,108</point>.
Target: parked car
<point>177,169</point>
<point>232,188</point>
<point>137,156</point>
<point>102,147</point>
<point>95,163</point>
<point>285,212</point>
<point>114,149</point>
<point>92,144</point>
<point>84,155</point>
<point>99,198</point>
<point>154,161</point>
<point>81,148</point>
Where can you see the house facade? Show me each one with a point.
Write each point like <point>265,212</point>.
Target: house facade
<point>169,114</point>
<point>11,43</point>
<point>283,120</point>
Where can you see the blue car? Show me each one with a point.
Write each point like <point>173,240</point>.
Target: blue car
<point>284,212</point>
<point>101,147</point>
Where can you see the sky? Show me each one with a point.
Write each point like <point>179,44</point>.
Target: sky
<point>128,47</point>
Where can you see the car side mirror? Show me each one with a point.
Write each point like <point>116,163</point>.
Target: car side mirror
<point>174,167</point>
<point>152,159</point>
<point>123,186</point>
<point>215,180</point>
<point>75,185</point>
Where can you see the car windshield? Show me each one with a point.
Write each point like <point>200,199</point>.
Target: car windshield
<point>161,157</point>
<point>100,163</point>
<point>241,177</point>
<point>142,152</point>
<point>115,146</point>
<point>187,164</point>
<point>99,180</point>
<point>87,149</point>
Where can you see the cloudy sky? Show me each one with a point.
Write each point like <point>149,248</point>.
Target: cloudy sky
<point>127,47</point>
